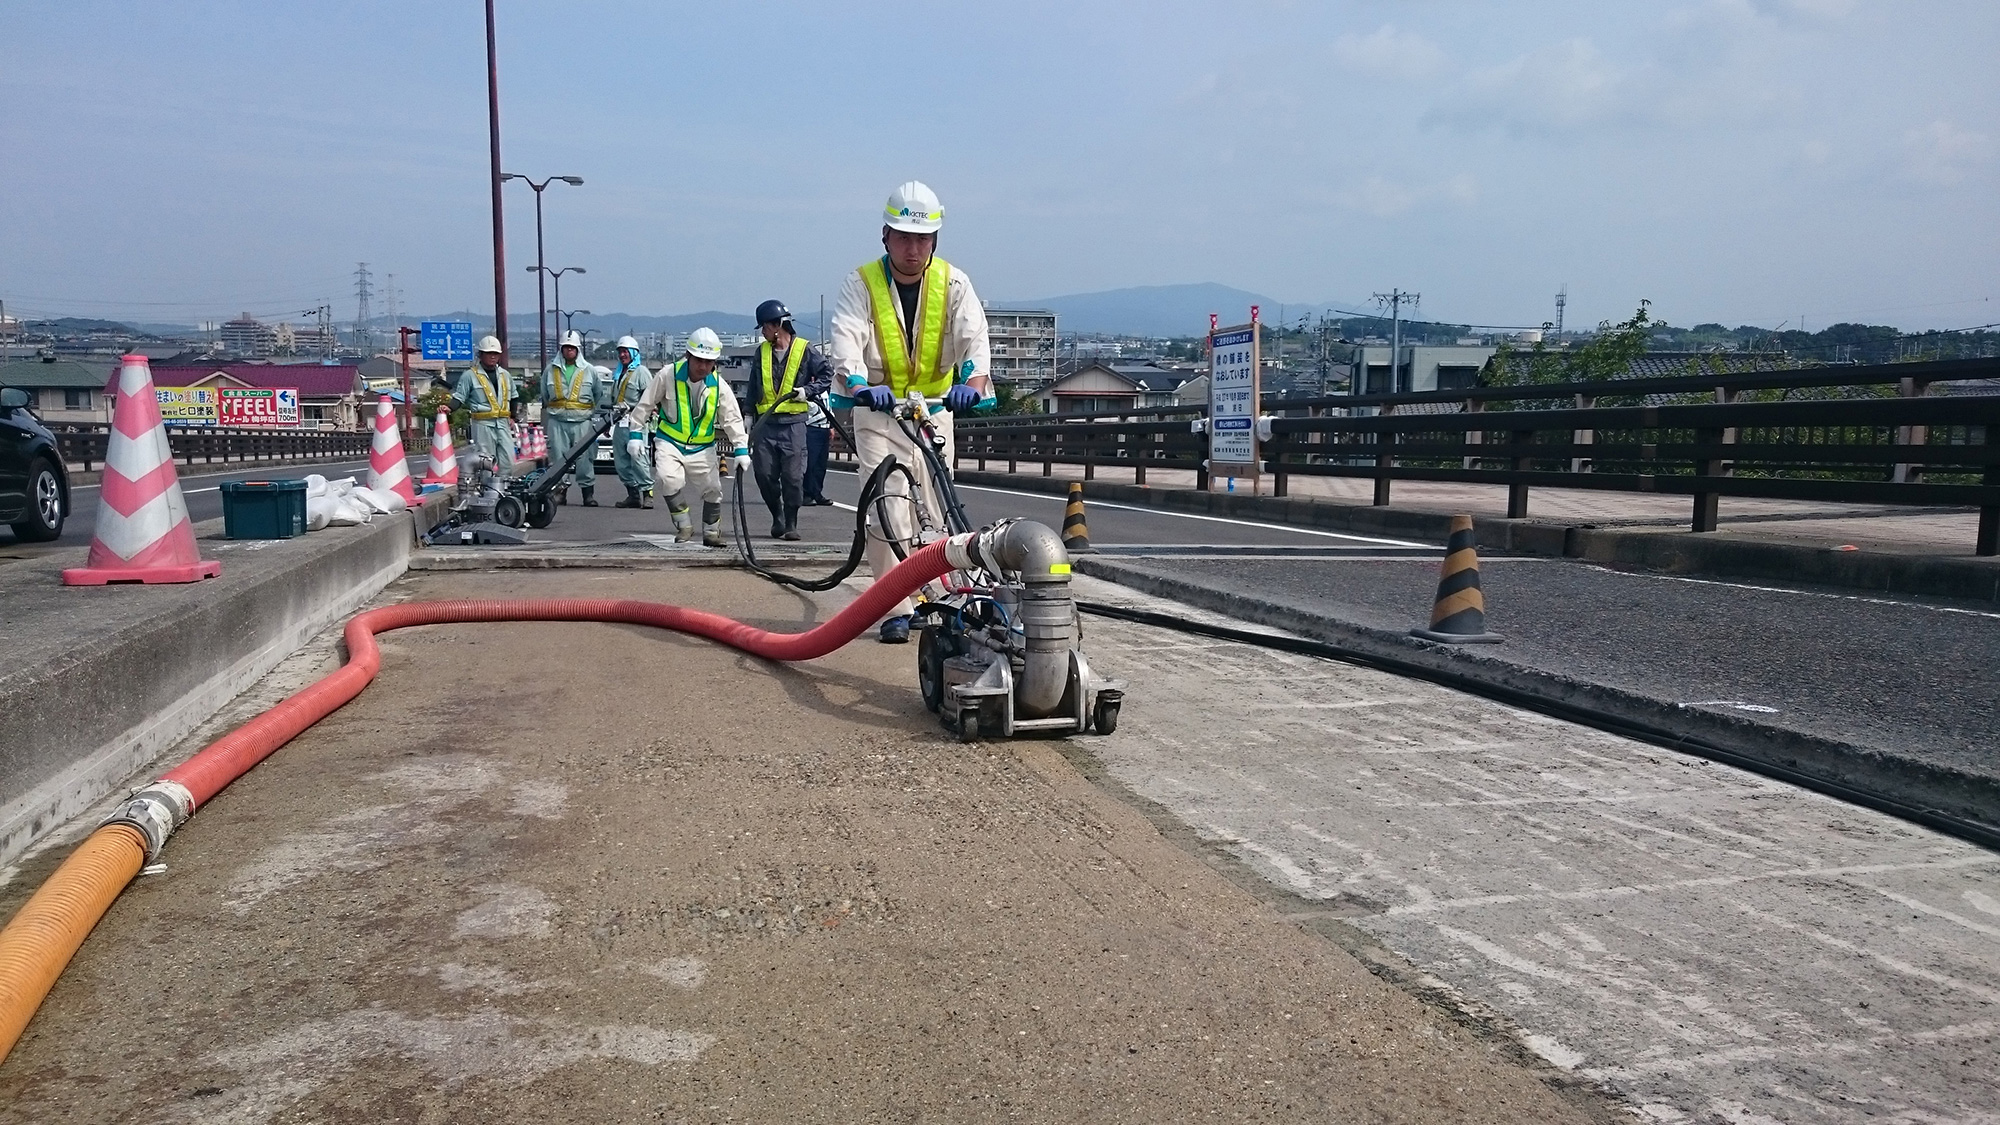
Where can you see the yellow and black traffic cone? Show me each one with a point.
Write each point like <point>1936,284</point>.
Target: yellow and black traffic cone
<point>1075,532</point>
<point>1459,615</point>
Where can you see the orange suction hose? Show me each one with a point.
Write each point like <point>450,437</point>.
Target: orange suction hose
<point>40,940</point>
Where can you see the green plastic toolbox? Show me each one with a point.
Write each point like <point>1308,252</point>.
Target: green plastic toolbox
<point>263,509</point>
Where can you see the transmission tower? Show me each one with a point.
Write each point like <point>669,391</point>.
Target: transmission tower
<point>1562,298</point>
<point>391,298</point>
<point>362,334</point>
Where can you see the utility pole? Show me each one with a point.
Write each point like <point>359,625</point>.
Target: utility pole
<point>1394,299</point>
<point>392,299</point>
<point>499,227</point>
<point>362,336</point>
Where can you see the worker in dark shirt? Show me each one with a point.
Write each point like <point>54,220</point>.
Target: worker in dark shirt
<point>786,372</point>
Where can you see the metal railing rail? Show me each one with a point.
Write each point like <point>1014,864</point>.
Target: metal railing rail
<point>85,445</point>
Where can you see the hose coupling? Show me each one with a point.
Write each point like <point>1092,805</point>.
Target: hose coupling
<point>155,810</point>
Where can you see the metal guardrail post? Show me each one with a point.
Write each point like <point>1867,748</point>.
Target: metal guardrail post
<point>1277,458</point>
<point>1474,437</point>
<point>1988,542</point>
<point>1910,435</point>
<point>1517,493</point>
<point>1706,503</point>
<point>1583,437</point>
<point>1385,441</point>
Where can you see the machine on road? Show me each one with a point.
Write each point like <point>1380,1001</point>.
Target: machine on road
<point>494,508</point>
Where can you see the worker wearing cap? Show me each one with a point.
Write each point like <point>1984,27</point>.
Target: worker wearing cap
<point>570,392</point>
<point>907,322</point>
<point>626,386</point>
<point>787,371</point>
<point>683,408</point>
<point>487,390</point>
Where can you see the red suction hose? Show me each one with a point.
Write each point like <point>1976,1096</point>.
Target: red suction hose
<point>51,926</point>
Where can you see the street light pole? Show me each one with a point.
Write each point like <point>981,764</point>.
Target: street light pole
<point>569,318</point>
<point>499,228</point>
<point>557,274</point>
<point>541,293</point>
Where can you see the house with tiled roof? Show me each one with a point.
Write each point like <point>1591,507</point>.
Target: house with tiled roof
<point>330,394</point>
<point>1107,387</point>
<point>61,390</point>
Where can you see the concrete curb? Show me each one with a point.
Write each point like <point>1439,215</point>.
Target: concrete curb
<point>1673,552</point>
<point>1967,796</point>
<point>79,724</point>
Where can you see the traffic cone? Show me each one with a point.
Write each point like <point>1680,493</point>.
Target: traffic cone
<point>388,468</point>
<point>143,533</point>
<point>444,459</point>
<point>1459,615</point>
<point>1075,532</point>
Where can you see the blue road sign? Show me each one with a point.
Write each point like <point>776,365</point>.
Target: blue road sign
<point>447,339</point>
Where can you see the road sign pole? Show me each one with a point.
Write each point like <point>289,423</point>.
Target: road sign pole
<point>409,408</point>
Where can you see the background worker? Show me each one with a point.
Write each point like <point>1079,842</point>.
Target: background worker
<point>682,410</point>
<point>787,370</point>
<point>570,392</point>
<point>819,442</point>
<point>626,386</point>
<point>907,321</point>
<point>487,390</point>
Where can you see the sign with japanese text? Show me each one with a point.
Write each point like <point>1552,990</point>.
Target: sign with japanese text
<point>186,406</point>
<point>259,406</point>
<point>1232,401</point>
<point>446,339</point>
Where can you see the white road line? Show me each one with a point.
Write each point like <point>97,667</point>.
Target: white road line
<point>1800,593</point>
<point>1193,516</point>
<point>234,472</point>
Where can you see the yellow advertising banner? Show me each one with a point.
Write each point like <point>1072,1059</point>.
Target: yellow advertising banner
<point>188,406</point>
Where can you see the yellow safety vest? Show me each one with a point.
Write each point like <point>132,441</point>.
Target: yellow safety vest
<point>686,431</point>
<point>925,371</point>
<point>566,396</point>
<point>623,380</point>
<point>496,406</point>
<point>793,362</point>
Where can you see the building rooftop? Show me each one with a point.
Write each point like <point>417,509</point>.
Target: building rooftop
<point>37,374</point>
<point>313,380</point>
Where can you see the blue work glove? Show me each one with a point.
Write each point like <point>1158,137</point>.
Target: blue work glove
<point>879,397</point>
<point>960,397</point>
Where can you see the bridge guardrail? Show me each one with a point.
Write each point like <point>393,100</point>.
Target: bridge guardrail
<point>85,444</point>
<point>1913,448</point>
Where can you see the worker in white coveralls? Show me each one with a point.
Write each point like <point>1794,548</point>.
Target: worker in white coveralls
<point>683,409</point>
<point>907,321</point>
<point>626,386</point>
<point>487,390</point>
<point>570,392</point>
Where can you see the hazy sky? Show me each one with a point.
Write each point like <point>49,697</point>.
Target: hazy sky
<point>1748,161</point>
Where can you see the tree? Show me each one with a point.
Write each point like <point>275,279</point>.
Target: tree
<point>1607,355</point>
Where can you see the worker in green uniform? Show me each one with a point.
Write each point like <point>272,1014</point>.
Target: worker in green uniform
<point>571,390</point>
<point>627,386</point>
<point>487,390</point>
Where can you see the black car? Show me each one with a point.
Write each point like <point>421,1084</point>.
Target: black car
<point>34,485</point>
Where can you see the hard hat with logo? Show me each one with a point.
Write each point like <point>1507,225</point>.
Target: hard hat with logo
<point>490,344</point>
<point>629,344</point>
<point>773,312</point>
<point>914,207</point>
<point>573,340</point>
<point>703,344</point>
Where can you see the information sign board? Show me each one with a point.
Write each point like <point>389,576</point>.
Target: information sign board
<point>449,340</point>
<point>186,406</point>
<point>258,406</point>
<point>1232,401</point>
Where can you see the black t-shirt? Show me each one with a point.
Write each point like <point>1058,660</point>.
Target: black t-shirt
<point>908,295</point>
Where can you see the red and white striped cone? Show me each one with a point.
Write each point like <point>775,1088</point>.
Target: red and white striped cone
<point>541,443</point>
<point>444,459</point>
<point>388,468</point>
<point>143,533</point>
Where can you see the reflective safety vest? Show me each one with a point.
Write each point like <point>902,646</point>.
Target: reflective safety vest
<point>793,362</point>
<point>686,430</point>
<point>625,379</point>
<point>496,406</point>
<point>925,371</point>
<point>569,397</point>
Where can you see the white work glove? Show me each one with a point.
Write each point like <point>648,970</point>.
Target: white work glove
<point>635,447</point>
<point>740,463</point>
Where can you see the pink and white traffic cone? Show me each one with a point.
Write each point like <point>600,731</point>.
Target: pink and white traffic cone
<point>143,532</point>
<point>444,459</point>
<point>388,468</point>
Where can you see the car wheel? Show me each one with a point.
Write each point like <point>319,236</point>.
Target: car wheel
<point>44,520</point>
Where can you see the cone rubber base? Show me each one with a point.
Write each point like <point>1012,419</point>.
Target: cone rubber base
<point>1459,638</point>
<point>151,575</point>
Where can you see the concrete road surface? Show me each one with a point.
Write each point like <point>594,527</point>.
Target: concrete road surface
<point>506,884</point>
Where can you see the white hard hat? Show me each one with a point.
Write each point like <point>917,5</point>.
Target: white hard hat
<point>490,344</point>
<point>573,340</point>
<point>629,344</point>
<point>600,369</point>
<point>914,207</point>
<point>703,344</point>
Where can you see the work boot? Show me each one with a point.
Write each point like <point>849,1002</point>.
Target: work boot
<point>791,532</point>
<point>683,524</point>
<point>562,496</point>
<point>646,499</point>
<point>631,499</point>
<point>777,527</point>
<point>711,525</point>
<point>590,498</point>
<point>896,630</point>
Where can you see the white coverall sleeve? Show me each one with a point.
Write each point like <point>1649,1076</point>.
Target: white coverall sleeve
<point>966,336</point>
<point>642,414</point>
<point>852,335</point>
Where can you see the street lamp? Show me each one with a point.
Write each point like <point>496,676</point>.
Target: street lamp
<point>569,317</point>
<point>542,305</point>
<point>557,274</point>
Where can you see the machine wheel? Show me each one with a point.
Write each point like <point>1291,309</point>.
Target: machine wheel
<point>509,512</point>
<point>541,513</point>
<point>968,724</point>
<point>933,649</point>
<point>1104,716</point>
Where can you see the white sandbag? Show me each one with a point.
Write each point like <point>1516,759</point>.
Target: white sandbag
<point>317,510</point>
<point>315,485</point>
